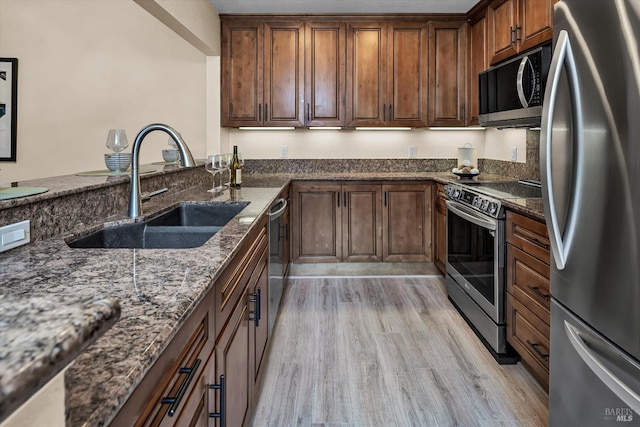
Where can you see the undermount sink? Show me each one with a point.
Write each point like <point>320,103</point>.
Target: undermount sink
<point>198,215</point>
<point>188,225</point>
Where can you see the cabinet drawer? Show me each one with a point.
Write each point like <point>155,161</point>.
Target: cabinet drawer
<point>528,281</point>
<point>530,337</point>
<point>440,197</point>
<point>528,235</point>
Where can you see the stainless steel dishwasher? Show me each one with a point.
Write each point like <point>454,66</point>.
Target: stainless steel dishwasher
<point>278,234</point>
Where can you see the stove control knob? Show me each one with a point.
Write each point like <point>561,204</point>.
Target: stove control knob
<point>456,194</point>
<point>485,205</point>
<point>493,208</point>
<point>477,201</point>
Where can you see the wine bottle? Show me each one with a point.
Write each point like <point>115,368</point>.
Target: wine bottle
<point>236,169</point>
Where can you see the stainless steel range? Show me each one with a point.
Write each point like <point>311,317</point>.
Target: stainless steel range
<point>476,249</point>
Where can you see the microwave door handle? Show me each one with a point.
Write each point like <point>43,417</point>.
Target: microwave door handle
<point>519,79</point>
<point>562,58</point>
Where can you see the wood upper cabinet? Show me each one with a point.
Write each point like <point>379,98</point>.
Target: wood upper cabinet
<point>263,74</point>
<point>478,62</point>
<point>325,57</point>
<point>407,222</point>
<point>386,74</point>
<point>518,25</point>
<point>447,72</point>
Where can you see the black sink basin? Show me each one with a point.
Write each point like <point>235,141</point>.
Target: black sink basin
<point>198,215</point>
<point>143,236</point>
<point>188,225</point>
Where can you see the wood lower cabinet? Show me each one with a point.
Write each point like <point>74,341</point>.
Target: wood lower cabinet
<point>361,222</point>
<point>518,25</point>
<point>528,295</point>
<point>218,352</point>
<point>316,222</point>
<point>440,228</point>
<point>407,223</point>
<point>333,222</point>
<point>447,73</point>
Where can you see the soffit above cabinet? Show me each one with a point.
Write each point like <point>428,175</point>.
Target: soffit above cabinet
<point>341,6</point>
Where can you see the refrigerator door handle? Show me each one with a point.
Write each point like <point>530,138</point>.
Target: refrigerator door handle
<point>622,390</point>
<point>562,58</point>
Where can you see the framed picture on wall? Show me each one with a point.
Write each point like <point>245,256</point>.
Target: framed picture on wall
<point>8,108</point>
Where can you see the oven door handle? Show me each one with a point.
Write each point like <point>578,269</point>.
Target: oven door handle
<point>471,216</point>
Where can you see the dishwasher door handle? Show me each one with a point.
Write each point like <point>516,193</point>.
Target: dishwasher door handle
<point>278,213</point>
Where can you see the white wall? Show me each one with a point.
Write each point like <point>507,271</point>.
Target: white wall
<point>88,66</point>
<point>351,144</point>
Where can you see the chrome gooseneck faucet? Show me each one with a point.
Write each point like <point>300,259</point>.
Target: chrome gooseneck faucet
<point>186,159</point>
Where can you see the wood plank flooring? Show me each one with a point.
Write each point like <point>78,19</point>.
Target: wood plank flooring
<point>386,352</point>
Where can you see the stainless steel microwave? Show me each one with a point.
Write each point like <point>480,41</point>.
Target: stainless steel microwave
<point>511,93</point>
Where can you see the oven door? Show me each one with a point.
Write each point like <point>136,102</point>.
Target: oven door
<point>475,257</point>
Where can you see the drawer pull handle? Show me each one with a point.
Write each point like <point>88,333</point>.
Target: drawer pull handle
<point>175,401</point>
<point>255,298</point>
<point>540,243</point>
<point>536,290</point>
<point>223,392</point>
<point>534,346</point>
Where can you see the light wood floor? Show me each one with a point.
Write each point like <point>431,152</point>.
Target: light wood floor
<point>386,352</point>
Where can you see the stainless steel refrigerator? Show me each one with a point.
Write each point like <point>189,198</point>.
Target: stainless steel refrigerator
<point>590,170</point>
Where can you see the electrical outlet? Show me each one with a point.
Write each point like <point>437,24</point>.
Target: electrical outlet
<point>413,151</point>
<point>14,235</point>
<point>514,153</point>
<point>284,152</point>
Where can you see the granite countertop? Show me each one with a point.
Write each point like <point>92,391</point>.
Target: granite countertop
<point>41,335</point>
<point>155,289</point>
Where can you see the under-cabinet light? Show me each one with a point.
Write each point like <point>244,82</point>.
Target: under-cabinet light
<point>456,128</point>
<point>266,128</point>
<point>325,128</point>
<point>383,128</point>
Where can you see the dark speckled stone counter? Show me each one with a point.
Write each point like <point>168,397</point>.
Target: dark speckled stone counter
<point>156,289</point>
<point>529,207</point>
<point>41,335</point>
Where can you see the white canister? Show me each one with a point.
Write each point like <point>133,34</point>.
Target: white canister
<point>467,157</point>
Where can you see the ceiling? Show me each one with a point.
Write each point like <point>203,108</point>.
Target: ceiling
<point>342,6</point>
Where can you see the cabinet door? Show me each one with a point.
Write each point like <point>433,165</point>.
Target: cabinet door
<point>478,62</point>
<point>535,22</point>
<point>283,74</point>
<point>407,223</point>
<point>242,47</point>
<point>440,229</point>
<point>325,57</point>
<point>316,223</point>
<point>502,16</point>
<point>232,358</point>
<point>259,320</point>
<point>447,62</point>
<point>202,400</point>
<point>362,223</point>
<point>407,82</point>
<point>366,74</point>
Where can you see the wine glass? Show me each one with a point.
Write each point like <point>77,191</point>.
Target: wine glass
<point>241,159</point>
<point>220,161</point>
<point>117,141</point>
<point>225,163</point>
<point>212,167</point>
